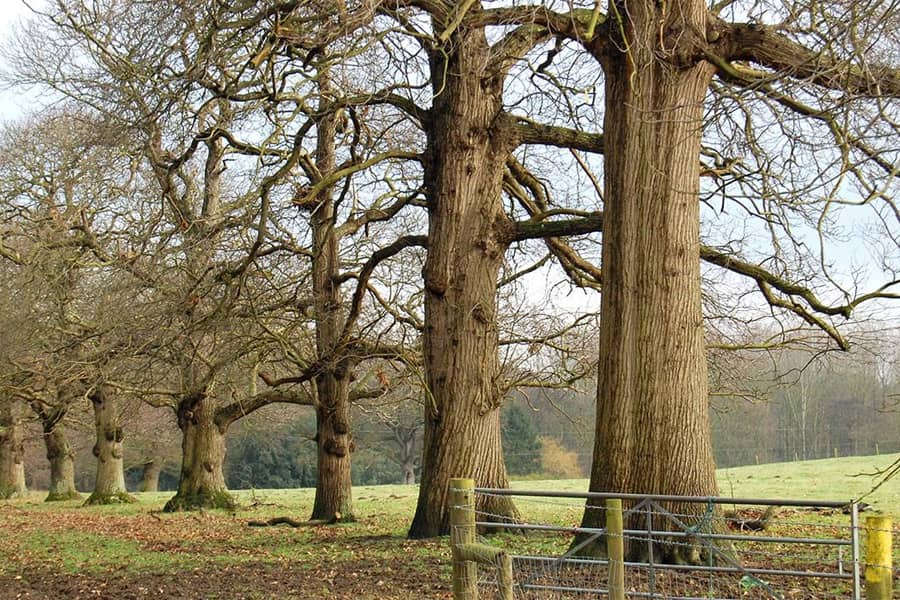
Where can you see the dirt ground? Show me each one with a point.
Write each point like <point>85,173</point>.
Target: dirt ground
<point>246,581</point>
<point>76,554</point>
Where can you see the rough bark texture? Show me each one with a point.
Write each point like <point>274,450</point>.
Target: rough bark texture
<point>652,415</point>
<point>62,465</point>
<point>468,144</point>
<point>12,452</point>
<point>202,480</point>
<point>334,497</point>
<point>109,485</point>
<point>150,476</point>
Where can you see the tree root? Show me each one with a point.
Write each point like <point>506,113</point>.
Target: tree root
<point>735,521</point>
<point>295,523</point>
<point>62,497</point>
<point>96,499</point>
<point>203,499</point>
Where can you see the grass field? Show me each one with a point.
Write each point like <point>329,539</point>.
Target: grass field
<point>827,479</point>
<point>63,550</point>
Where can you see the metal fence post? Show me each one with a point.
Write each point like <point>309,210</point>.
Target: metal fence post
<point>879,568</point>
<point>652,574</point>
<point>615,548</point>
<point>462,531</point>
<point>854,549</point>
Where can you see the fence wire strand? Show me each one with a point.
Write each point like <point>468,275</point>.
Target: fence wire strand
<point>729,552</point>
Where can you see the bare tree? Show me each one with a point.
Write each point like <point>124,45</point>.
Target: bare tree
<point>172,250</point>
<point>468,140</point>
<point>47,175</point>
<point>661,63</point>
<point>302,68</point>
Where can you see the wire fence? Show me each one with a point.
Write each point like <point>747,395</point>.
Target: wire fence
<point>667,547</point>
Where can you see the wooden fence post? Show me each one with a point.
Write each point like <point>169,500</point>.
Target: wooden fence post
<point>462,531</point>
<point>615,548</point>
<point>879,567</point>
<point>505,576</point>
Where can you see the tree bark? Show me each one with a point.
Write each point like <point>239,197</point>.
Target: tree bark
<point>12,452</point>
<point>109,485</point>
<point>468,144</point>
<point>334,492</point>
<point>62,464</point>
<point>202,480</point>
<point>334,495</point>
<point>652,416</point>
<point>150,476</point>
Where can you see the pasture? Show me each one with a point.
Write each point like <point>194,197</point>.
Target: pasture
<point>64,550</point>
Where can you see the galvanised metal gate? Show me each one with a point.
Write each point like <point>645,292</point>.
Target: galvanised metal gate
<point>811,551</point>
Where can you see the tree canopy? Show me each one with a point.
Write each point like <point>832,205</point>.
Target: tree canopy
<point>322,203</point>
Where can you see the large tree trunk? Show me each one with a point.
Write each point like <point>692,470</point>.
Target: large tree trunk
<point>652,417</point>
<point>12,452</point>
<point>467,149</point>
<point>62,464</point>
<point>109,485</point>
<point>202,480</point>
<point>334,496</point>
<point>150,476</point>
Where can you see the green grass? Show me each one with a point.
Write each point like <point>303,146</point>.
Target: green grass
<point>392,505</point>
<point>79,551</point>
<point>837,479</point>
<point>828,479</point>
<point>136,538</point>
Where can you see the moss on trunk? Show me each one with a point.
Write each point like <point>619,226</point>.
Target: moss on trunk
<point>202,480</point>
<point>62,466</point>
<point>97,499</point>
<point>201,499</point>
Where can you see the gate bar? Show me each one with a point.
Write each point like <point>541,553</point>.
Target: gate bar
<point>666,498</point>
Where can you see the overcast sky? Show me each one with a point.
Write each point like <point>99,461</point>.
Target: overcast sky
<point>11,13</point>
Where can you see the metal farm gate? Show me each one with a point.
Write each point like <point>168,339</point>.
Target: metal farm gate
<point>810,551</point>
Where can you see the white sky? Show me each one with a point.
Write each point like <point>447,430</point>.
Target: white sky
<point>12,12</point>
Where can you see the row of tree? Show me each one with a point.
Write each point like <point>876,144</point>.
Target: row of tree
<point>835,406</point>
<point>229,205</point>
